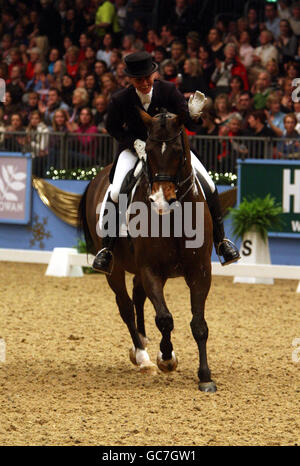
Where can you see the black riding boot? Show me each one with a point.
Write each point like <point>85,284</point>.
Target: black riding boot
<point>224,247</point>
<point>103,261</point>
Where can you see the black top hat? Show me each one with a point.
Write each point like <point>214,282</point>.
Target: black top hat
<point>139,64</point>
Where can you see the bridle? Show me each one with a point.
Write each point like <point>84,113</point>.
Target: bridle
<point>159,177</point>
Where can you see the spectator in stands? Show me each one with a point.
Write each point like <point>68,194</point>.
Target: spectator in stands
<point>39,83</point>
<point>160,54</point>
<point>54,103</point>
<point>31,101</point>
<point>286,100</point>
<point>294,20</point>
<point>100,113</point>
<point>272,19</point>
<point>15,84</point>
<point>90,57</point>
<point>192,44</point>
<point>86,141</point>
<point>286,42</point>
<point>261,90</point>
<point>192,79</point>
<point>265,51</point>
<point>80,99</point>
<point>73,24</point>
<point>168,36</point>
<point>37,136</point>
<point>6,44</point>
<point>231,66</point>
<point>109,85</point>
<point>92,88</point>
<point>207,63</point>
<point>83,71</point>
<point>209,126</point>
<point>283,9</point>
<point>15,59</point>
<point>53,57</point>
<point>9,107</point>
<point>184,18</point>
<point>231,147</point>
<point>115,59</point>
<point>222,110</point>
<point>169,71</point>
<point>57,142</point>
<point>14,142</point>
<point>128,45</point>
<point>216,44</point>
<point>274,116</point>
<point>35,56</point>
<point>246,50</point>
<point>253,26</point>
<point>153,40</point>
<point>100,67</point>
<point>292,69</point>
<point>178,55</point>
<point>236,85</point>
<point>272,68</point>
<point>121,77</point>
<point>257,123</point>
<point>106,19</point>
<point>245,107</point>
<point>290,144</point>
<point>59,70</point>
<point>106,48</point>
<point>67,89</point>
<point>72,60</point>
<point>49,23</point>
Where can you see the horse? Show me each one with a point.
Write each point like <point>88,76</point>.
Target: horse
<point>167,178</point>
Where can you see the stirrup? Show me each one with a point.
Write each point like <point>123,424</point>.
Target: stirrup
<point>217,247</point>
<point>108,270</point>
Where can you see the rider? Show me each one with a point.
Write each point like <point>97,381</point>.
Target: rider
<point>126,126</point>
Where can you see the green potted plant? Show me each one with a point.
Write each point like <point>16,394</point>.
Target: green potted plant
<point>251,221</point>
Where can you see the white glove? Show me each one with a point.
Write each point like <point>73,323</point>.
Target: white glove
<point>196,103</point>
<point>139,146</point>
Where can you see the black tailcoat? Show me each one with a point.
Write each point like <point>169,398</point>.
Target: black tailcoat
<point>124,122</point>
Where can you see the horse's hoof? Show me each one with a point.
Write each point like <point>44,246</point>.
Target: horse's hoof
<point>132,356</point>
<point>169,365</point>
<point>209,387</point>
<point>148,368</point>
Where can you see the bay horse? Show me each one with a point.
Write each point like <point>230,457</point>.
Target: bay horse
<point>167,178</point>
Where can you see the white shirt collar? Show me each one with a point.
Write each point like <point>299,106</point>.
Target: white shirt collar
<point>145,98</point>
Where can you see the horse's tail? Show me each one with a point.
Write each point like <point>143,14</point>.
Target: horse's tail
<point>83,224</point>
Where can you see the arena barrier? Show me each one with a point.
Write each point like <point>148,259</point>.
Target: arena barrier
<point>65,262</point>
<point>73,151</point>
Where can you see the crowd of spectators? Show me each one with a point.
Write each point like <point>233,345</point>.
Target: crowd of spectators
<point>62,60</point>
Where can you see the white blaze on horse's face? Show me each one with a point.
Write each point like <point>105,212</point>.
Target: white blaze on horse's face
<point>163,148</point>
<point>159,202</point>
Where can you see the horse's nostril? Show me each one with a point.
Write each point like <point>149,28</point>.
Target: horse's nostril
<point>172,200</point>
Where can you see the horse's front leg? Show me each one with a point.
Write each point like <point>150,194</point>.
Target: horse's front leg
<point>153,285</point>
<point>199,288</point>
<point>138,354</point>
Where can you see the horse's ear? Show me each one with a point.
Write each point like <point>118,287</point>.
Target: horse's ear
<point>147,119</point>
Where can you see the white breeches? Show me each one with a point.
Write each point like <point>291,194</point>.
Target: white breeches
<point>126,162</point>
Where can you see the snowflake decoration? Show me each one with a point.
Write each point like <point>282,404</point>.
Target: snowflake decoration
<point>39,231</point>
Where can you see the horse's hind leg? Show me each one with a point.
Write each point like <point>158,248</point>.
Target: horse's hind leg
<point>117,283</point>
<point>199,287</point>
<point>139,298</point>
<point>153,285</point>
